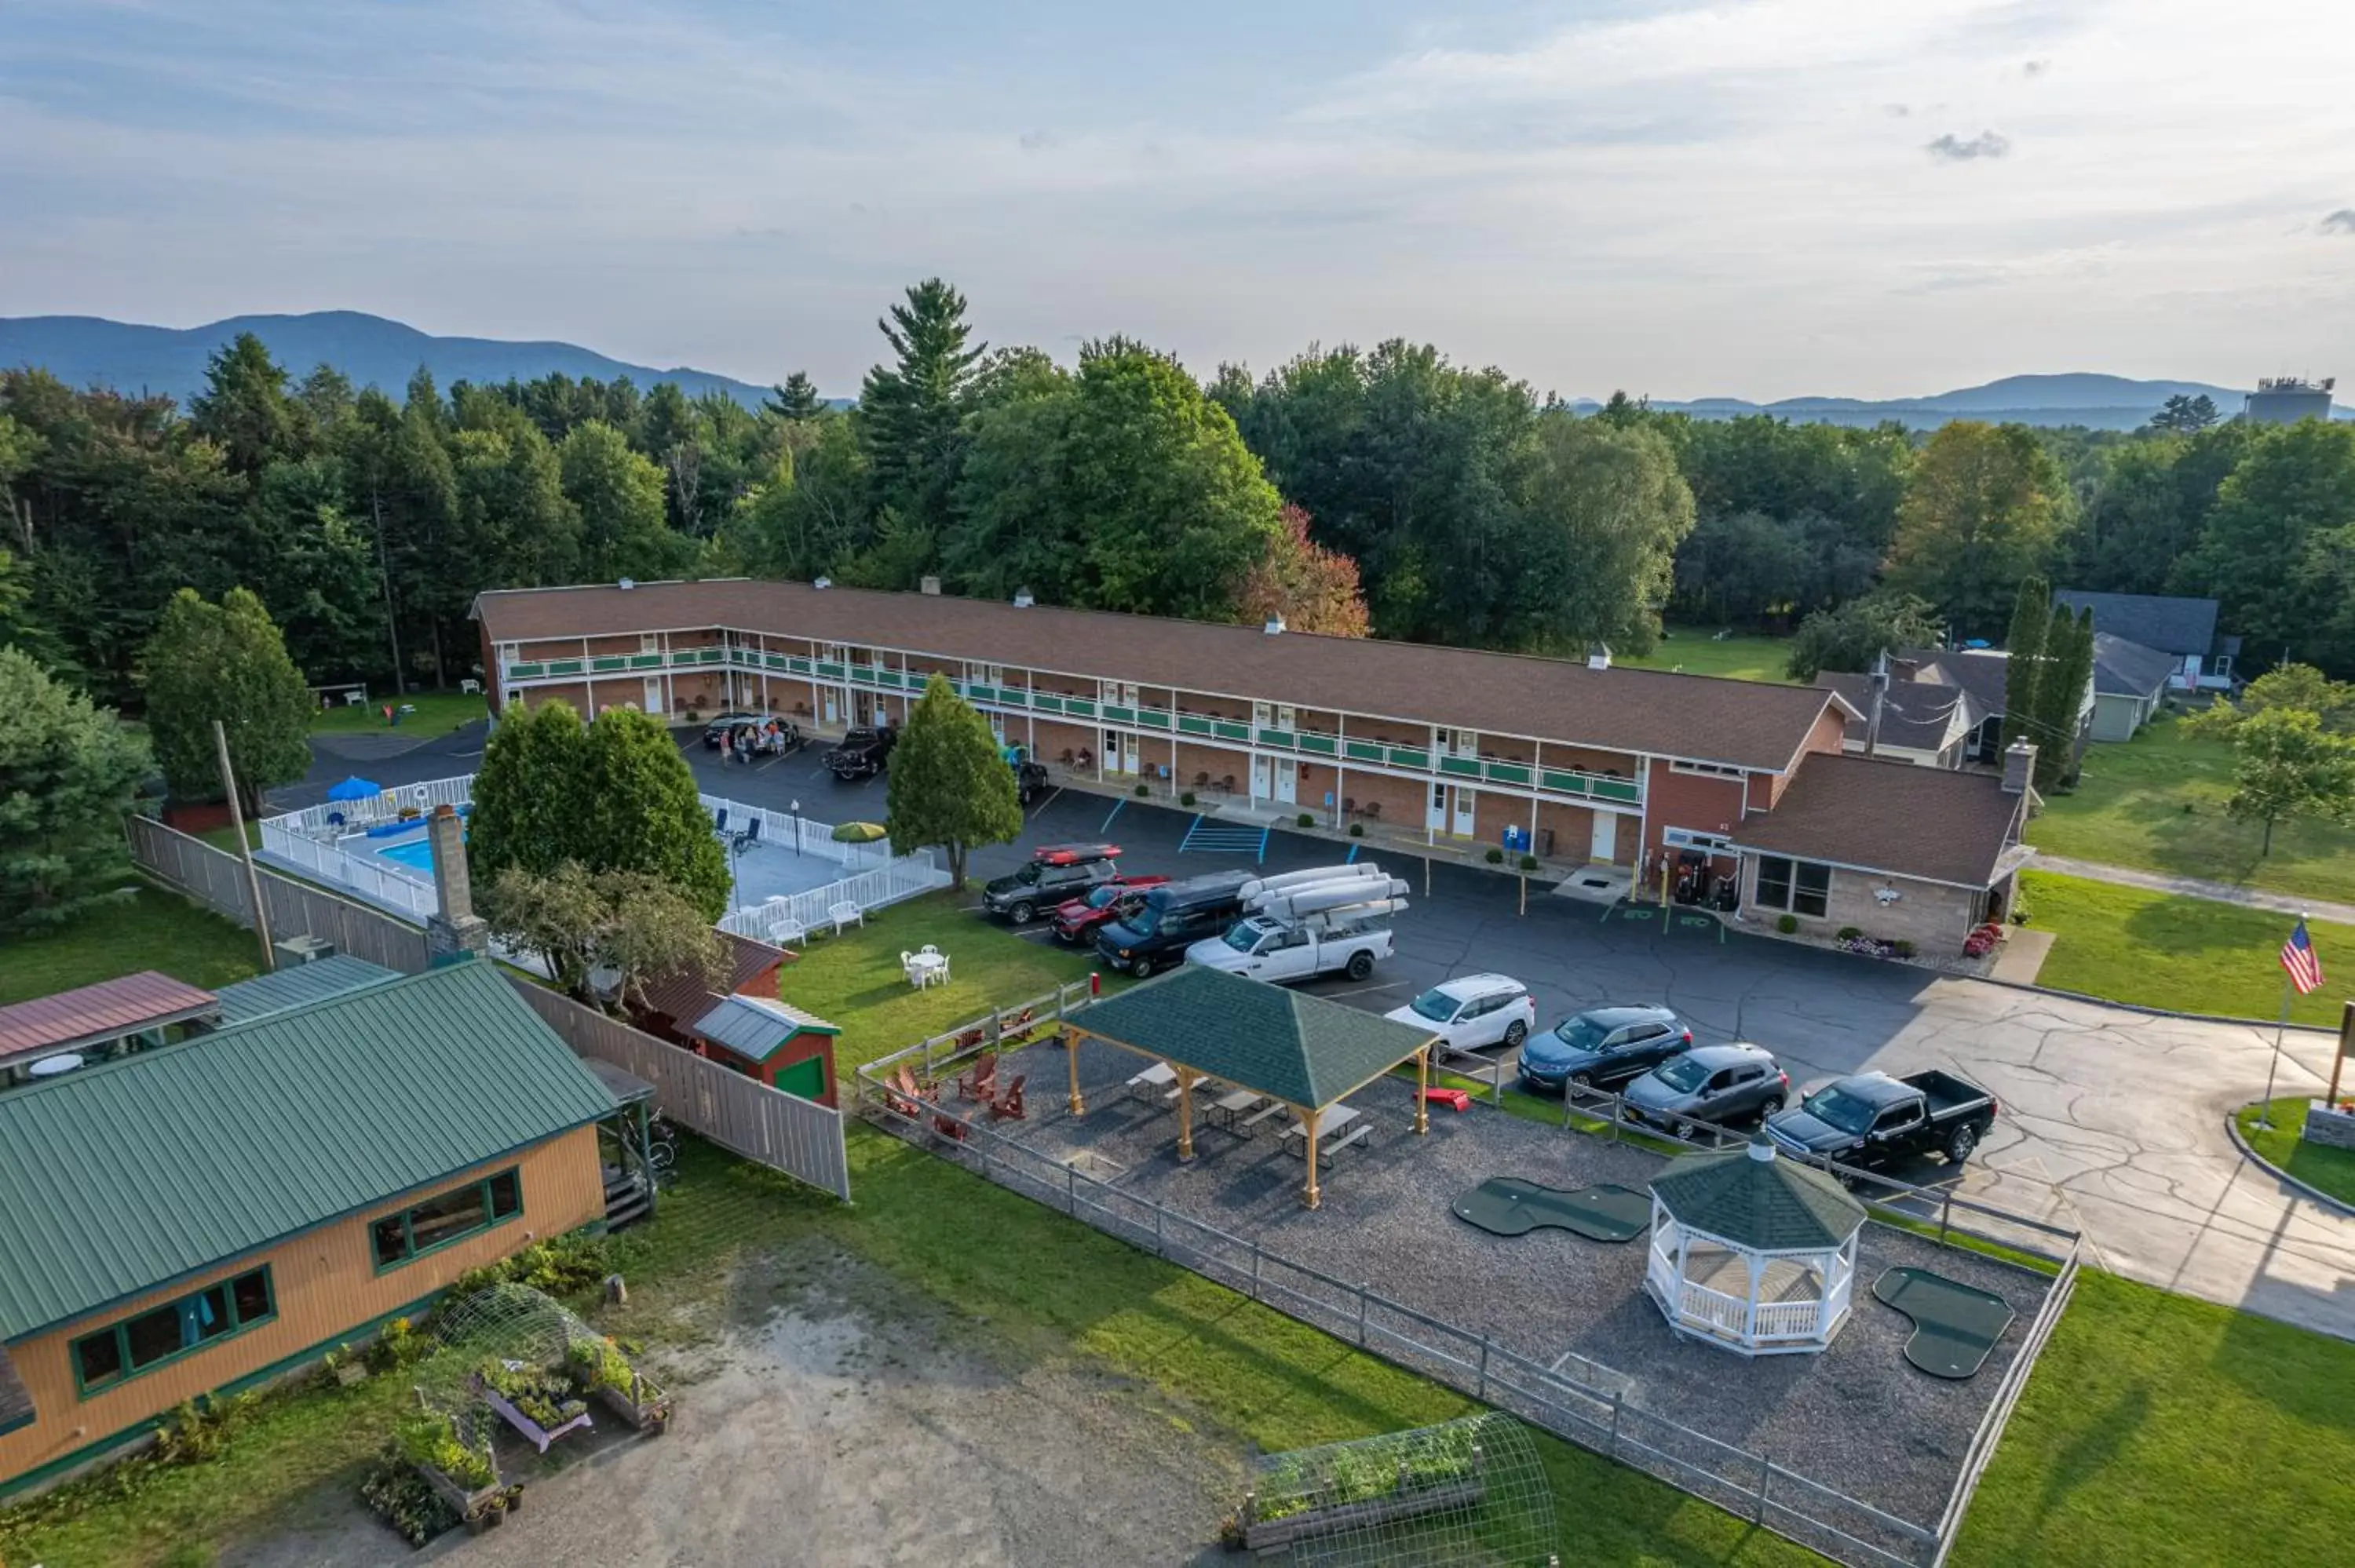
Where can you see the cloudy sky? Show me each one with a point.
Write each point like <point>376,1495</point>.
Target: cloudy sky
<point>1749,197</point>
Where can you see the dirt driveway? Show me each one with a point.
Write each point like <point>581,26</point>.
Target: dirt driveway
<point>854,1427</point>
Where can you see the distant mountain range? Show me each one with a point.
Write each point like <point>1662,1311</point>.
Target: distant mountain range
<point>81,349</point>
<point>2103,402</point>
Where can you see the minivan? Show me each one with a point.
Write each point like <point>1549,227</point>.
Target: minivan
<point>1168,919</point>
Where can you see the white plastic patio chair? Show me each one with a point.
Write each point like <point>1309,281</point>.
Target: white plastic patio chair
<point>788,933</point>
<point>844,914</point>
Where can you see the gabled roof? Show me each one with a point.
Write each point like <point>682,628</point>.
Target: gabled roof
<point>1300,1049</point>
<point>2177,626</point>
<point>754,1027</point>
<point>1698,718</point>
<point>1881,815</point>
<point>1769,1204</point>
<point>1914,715</point>
<point>682,996</point>
<point>95,1014</point>
<point>129,1175</point>
<point>1979,672</point>
<point>299,986</point>
<point>2128,669</point>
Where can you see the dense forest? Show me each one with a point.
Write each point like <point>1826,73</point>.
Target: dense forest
<point>1387,491</point>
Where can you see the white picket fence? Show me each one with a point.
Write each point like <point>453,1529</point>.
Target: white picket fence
<point>817,838</point>
<point>906,877</point>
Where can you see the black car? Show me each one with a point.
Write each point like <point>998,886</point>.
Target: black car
<point>1603,1049</point>
<point>1030,781</point>
<point>1725,1085</point>
<point>1055,873</point>
<point>716,733</point>
<point>861,754</point>
<point>1873,1119</point>
<point>1170,918</point>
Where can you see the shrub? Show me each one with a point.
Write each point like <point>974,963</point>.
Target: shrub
<point>1528,863</point>
<point>1187,798</point>
<point>1143,791</point>
<point>430,1439</point>
<point>693,717</point>
<point>1849,933</point>
<point>1357,830</point>
<point>1787,924</point>
<point>1903,949</point>
<point>189,1555</point>
<point>600,1363</point>
<point>1308,819</point>
<point>1495,857</point>
<point>561,1266</point>
<point>198,1432</point>
<point>399,1345</point>
<point>395,1493</point>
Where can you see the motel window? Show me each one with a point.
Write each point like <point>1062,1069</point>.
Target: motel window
<point>1712,768</point>
<point>1800,886</point>
<point>165,1333</point>
<point>445,1217</point>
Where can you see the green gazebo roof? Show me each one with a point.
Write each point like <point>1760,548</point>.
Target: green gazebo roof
<point>1299,1048</point>
<point>1765,1203</point>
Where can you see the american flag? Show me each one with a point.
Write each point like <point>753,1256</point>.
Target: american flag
<point>2297,958</point>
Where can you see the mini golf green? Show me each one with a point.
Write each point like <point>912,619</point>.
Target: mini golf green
<point>1510,1206</point>
<point>1954,1326</point>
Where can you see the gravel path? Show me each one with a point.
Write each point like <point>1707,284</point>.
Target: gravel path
<point>1858,1417</point>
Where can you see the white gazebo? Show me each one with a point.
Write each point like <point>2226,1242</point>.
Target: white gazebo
<point>1753,1253</point>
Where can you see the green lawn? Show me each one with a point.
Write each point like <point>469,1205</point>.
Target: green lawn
<point>1695,650</point>
<point>437,713</point>
<point>2160,1431</point>
<point>2156,802</point>
<point>2191,955</point>
<point>2331,1171</point>
<point>855,981</point>
<point>154,930</point>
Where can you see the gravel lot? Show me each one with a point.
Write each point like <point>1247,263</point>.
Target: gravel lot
<point>1858,1417</point>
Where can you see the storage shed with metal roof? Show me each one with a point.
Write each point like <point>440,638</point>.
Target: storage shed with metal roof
<point>186,1221</point>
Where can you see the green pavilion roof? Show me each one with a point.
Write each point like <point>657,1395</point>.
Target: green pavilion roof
<point>1765,1204</point>
<point>1299,1048</point>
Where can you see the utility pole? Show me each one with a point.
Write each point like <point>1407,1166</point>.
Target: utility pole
<point>1880,693</point>
<point>244,848</point>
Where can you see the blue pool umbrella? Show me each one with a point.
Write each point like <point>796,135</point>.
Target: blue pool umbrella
<point>354,789</point>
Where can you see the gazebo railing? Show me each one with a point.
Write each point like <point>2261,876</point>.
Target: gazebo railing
<point>1700,1304</point>
<point>1789,1320</point>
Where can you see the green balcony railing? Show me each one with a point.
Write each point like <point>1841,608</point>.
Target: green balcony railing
<point>1082,707</point>
<point>610,662</point>
<point>1193,724</point>
<point>1460,767</point>
<point>1281,738</point>
<point>1047,702</point>
<point>1232,731</point>
<point>828,670</point>
<point>1406,757</point>
<point>797,665</point>
<point>1322,745</point>
<point>564,666</point>
<point>1365,751</point>
<point>527,672</point>
<point>1154,718</point>
<point>1507,772</point>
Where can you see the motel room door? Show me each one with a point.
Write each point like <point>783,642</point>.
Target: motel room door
<point>1288,781</point>
<point>1463,802</point>
<point>1263,778</point>
<point>654,695</point>
<point>1604,849</point>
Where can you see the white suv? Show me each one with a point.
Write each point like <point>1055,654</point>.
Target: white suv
<point>1472,1012</point>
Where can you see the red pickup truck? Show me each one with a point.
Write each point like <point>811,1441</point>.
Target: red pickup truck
<point>1077,921</point>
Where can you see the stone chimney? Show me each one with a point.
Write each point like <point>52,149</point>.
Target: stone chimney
<point>455,932</point>
<point>2019,768</point>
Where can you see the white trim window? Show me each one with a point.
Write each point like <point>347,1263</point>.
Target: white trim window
<point>1715,769</point>
<point>1798,886</point>
<point>1685,838</point>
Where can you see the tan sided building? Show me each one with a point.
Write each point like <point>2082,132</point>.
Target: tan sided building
<point>1584,763</point>
<point>203,1217</point>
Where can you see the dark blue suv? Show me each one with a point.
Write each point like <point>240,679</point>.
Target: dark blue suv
<point>1603,1049</point>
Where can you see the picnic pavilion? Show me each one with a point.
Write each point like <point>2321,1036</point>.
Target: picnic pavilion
<point>1302,1052</point>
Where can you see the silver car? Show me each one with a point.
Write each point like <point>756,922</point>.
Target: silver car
<point>1722,1085</point>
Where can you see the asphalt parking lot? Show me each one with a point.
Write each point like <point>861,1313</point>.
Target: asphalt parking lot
<point>2113,1120</point>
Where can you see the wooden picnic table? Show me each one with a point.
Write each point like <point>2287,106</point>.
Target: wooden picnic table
<point>1231,1107</point>
<point>1334,1133</point>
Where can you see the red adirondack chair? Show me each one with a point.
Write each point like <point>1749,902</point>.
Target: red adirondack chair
<point>981,1084</point>
<point>1008,1106</point>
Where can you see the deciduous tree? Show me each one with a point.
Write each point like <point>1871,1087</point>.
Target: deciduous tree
<point>529,806</point>
<point>1985,507</point>
<point>642,812</point>
<point>1311,589</point>
<point>68,771</point>
<point>949,783</point>
<point>1848,639</point>
<point>2286,767</point>
<point>634,927</point>
<point>225,662</point>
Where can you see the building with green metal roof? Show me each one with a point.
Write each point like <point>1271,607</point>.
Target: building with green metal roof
<point>189,1220</point>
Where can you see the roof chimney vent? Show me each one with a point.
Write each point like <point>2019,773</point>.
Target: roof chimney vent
<point>822,583</point>
<point>627,583</point>
<point>1598,656</point>
<point>930,586</point>
<point>1022,600</point>
<point>1275,625</point>
<point>2019,767</point>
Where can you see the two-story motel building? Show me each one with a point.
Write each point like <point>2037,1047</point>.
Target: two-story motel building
<point>1603,765</point>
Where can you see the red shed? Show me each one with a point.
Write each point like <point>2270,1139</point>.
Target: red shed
<point>773,1042</point>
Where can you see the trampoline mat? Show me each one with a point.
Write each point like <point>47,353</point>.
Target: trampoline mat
<point>1509,1206</point>
<point>1954,1326</point>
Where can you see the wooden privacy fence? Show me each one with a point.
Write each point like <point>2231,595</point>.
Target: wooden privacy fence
<point>798,1136</point>
<point>216,879</point>
<point>782,1131</point>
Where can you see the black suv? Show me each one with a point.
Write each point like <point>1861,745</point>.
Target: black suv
<point>861,754</point>
<point>1603,1049</point>
<point>1166,920</point>
<point>1056,872</point>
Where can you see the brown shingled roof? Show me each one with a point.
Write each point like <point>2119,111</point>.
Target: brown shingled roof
<point>93,1014</point>
<point>684,998</point>
<point>1695,717</point>
<point>1926,823</point>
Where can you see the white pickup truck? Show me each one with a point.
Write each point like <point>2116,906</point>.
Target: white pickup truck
<point>1303,924</point>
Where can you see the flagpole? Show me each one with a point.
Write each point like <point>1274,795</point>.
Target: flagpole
<point>2265,1105</point>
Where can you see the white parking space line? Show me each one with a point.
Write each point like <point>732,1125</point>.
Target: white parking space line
<point>1361,990</point>
<point>1040,809</point>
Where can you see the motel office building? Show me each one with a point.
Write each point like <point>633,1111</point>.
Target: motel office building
<point>1601,766</point>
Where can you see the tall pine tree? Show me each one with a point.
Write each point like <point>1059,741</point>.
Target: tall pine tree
<point>2031,613</point>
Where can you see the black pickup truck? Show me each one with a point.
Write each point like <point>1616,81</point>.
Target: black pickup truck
<point>1873,1118</point>
<point>861,753</point>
